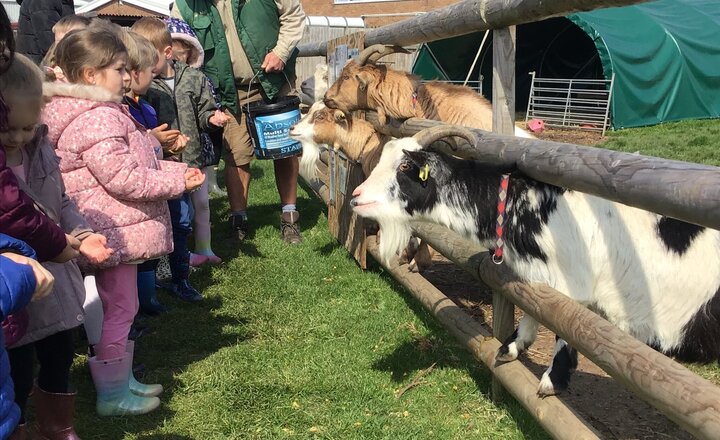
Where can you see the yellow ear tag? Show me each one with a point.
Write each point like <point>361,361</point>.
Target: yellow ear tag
<point>424,172</point>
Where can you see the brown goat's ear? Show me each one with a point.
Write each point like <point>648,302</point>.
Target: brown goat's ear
<point>364,79</point>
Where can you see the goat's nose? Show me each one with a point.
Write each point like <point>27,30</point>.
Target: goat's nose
<point>356,192</point>
<point>329,103</point>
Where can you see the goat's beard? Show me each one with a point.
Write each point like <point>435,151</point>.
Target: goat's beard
<point>308,161</point>
<point>394,236</point>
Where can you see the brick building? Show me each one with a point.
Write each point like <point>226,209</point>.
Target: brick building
<point>375,12</point>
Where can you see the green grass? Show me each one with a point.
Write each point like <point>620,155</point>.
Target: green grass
<point>690,141</point>
<point>298,342</point>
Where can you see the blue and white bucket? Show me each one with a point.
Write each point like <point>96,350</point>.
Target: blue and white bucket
<point>269,125</point>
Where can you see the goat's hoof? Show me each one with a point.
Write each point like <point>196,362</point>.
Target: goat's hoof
<point>507,353</point>
<point>548,388</point>
<point>413,267</point>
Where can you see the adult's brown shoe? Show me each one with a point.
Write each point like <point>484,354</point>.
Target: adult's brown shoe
<point>289,227</point>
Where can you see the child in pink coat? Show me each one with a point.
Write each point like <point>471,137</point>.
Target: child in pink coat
<point>48,335</point>
<point>111,172</point>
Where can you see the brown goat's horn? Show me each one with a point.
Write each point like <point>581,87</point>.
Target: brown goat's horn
<point>373,53</point>
<point>426,137</point>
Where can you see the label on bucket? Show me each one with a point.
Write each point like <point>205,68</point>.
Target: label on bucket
<point>273,135</point>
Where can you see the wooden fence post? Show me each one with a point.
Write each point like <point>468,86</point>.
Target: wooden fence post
<point>343,224</point>
<point>504,123</point>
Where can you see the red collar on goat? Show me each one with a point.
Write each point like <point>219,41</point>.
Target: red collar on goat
<point>497,257</point>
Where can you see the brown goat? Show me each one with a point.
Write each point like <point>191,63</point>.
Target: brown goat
<point>354,137</point>
<point>360,142</point>
<point>363,85</point>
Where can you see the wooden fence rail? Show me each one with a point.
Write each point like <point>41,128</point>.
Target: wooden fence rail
<point>467,17</point>
<point>682,190</point>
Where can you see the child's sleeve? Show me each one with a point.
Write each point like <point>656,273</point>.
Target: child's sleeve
<point>205,105</point>
<point>72,221</point>
<point>172,166</point>
<point>17,284</point>
<point>108,157</point>
<point>19,218</point>
<point>17,281</point>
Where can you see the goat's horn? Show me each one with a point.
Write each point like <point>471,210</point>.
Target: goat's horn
<point>426,137</point>
<point>373,53</point>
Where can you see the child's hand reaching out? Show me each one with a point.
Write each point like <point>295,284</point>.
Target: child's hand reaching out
<point>179,145</point>
<point>193,179</point>
<point>165,136</point>
<point>219,119</point>
<point>94,248</point>
<point>172,141</point>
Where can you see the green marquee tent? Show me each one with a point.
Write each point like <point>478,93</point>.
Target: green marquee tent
<point>665,56</point>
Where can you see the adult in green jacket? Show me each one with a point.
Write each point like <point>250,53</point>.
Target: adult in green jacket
<point>246,40</point>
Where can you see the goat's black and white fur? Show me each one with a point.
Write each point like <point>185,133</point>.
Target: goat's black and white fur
<point>652,276</point>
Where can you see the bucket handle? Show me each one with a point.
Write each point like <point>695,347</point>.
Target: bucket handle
<point>252,80</point>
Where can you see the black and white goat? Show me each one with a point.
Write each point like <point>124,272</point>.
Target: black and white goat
<point>655,277</point>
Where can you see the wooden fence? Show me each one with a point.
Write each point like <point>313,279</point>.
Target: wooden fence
<point>691,192</point>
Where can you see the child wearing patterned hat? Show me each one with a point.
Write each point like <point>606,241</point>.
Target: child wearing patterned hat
<point>187,49</point>
<point>186,46</point>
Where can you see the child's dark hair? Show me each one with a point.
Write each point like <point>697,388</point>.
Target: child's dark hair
<point>7,52</point>
<point>7,41</point>
<point>22,80</point>
<point>94,48</point>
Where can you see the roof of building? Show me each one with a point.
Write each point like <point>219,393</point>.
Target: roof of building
<point>125,7</point>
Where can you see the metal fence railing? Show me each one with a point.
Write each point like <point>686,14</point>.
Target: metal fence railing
<point>571,103</point>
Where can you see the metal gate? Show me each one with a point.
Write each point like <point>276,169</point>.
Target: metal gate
<point>571,103</point>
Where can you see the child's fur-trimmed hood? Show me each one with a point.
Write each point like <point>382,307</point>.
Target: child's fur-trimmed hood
<point>67,101</point>
<point>80,91</point>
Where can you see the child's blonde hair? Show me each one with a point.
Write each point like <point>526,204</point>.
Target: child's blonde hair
<point>71,22</point>
<point>141,52</point>
<point>104,24</point>
<point>95,48</point>
<point>64,25</point>
<point>23,80</point>
<point>154,30</point>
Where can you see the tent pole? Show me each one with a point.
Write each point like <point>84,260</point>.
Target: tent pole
<point>477,55</point>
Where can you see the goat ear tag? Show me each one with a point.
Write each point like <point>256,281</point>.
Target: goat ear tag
<point>424,173</point>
